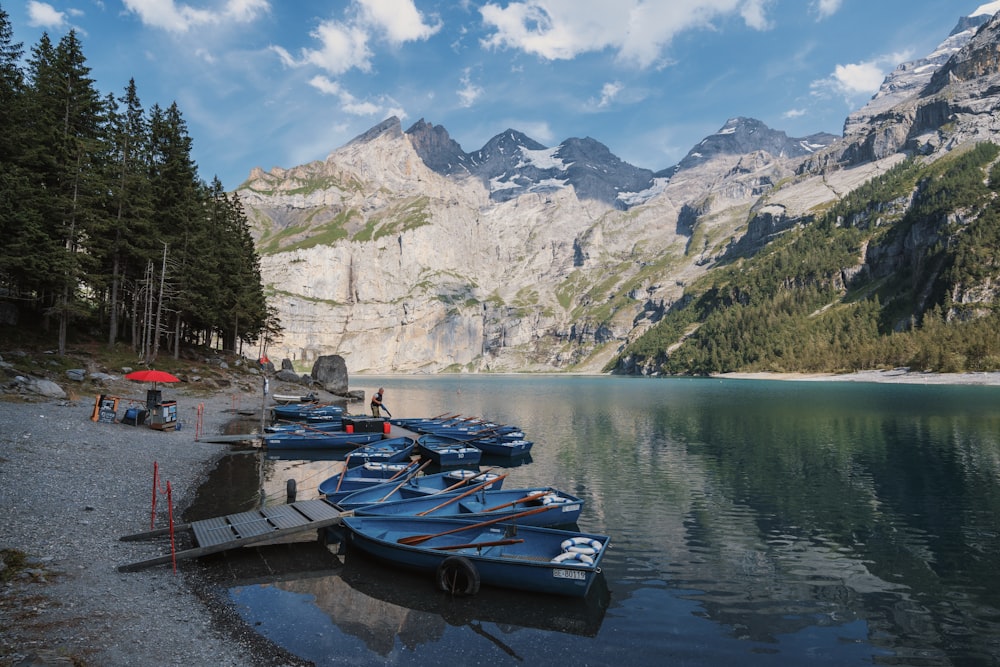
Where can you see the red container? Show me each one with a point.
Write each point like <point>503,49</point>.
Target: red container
<point>349,428</point>
<point>386,427</point>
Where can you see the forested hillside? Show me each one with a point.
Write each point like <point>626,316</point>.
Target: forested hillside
<point>902,272</point>
<point>105,224</point>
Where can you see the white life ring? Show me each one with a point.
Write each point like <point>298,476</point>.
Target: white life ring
<point>574,544</point>
<point>573,558</point>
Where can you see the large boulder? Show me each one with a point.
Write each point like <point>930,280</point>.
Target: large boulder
<point>43,387</point>
<point>330,371</point>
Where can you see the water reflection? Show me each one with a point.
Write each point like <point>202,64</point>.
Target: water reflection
<point>315,609</point>
<point>755,522</point>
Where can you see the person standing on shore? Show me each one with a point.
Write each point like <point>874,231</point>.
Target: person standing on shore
<point>376,403</point>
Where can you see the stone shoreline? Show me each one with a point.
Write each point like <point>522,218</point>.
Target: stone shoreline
<point>70,488</point>
<point>895,376</point>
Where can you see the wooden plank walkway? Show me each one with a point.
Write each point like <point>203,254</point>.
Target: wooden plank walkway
<point>243,529</point>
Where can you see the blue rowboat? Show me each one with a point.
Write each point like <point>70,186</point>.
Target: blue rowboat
<point>503,448</point>
<point>462,553</point>
<point>307,412</point>
<point>491,445</point>
<point>318,440</point>
<point>448,453</point>
<point>287,426</point>
<point>562,509</point>
<point>361,477</point>
<point>419,486</point>
<point>384,451</point>
<point>453,480</point>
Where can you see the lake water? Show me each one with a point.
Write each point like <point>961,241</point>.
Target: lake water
<point>751,523</point>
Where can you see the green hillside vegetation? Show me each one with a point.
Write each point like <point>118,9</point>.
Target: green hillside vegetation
<point>793,308</point>
<point>398,219</point>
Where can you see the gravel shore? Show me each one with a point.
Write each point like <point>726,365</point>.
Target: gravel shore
<point>70,488</point>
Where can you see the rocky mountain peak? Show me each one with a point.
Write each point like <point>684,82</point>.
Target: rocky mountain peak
<point>910,78</point>
<point>978,58</point>
<point>390,127</point>
<point>437,149</point>
<point>740,136</point>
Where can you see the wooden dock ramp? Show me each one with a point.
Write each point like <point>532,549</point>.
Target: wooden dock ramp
<point>243,529</point>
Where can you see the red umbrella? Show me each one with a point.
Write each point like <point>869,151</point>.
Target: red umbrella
<point>151,375</point>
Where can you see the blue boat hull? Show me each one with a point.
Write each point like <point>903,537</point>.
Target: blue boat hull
<point>561,508</point>
<point>311,440</point>
<point>384,451</point>
<point>307,411</point>
<point>418,487</point>
<point>362,477</point>
<point>508,449</point>
<point>448,454</point>
<point>516,556</point>
<point>311,427</point>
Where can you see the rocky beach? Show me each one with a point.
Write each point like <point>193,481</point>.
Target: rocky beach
<point>70,488</point>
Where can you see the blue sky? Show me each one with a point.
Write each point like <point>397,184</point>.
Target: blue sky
<point>282,82</point>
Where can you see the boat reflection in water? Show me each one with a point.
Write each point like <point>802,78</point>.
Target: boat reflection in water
<point>362,605</point>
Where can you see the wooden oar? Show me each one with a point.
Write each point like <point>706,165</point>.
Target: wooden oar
<point>526,499</point>
<point>347,464</point>
<point>462,495</point>
<point>494,543</point>
<point>420,539</point>
<point>463,482</point>
<point>402,470</point>
<point>400,485</point>
<point>491,433</point>
<point>305,427</point>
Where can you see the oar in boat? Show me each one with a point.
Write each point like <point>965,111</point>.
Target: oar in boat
<point>494,543</point>
<point>402,470</point>
<point>413,540</point>
<point>477,487</point>
<point>343,473</point>
<point>526,499</point>
<point>463,482</point>
<point>400,485</point>
<point>488,433</point>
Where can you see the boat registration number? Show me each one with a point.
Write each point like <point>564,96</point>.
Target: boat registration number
<point>569,574</point>
<point>571,508</point>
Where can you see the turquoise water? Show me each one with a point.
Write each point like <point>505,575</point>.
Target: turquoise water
<point>752,522</point>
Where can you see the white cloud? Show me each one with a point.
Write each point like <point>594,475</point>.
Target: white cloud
<point>350,104</point>
<point>754,13</point>
<point>858,77</point>
<point>344,45</point>
<point>398,20</point>
<point>173,17</point>
<point>827,8</point>
<point>794,113</point>
<point>469,92</point>
<point>858,80</point>
<point>639,30</point>
<point>44,15</point>
<point>609,92</point>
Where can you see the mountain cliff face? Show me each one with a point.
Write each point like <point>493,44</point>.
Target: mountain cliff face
<point>403,253</point>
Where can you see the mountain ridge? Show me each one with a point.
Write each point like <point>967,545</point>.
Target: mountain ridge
<point>523,257</point>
